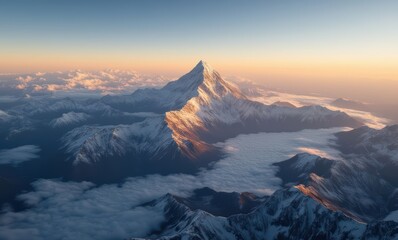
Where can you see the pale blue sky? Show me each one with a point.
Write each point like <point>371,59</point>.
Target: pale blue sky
<point>172,35</point>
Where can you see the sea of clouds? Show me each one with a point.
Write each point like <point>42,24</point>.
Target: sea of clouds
<point>76,83</point>
<point>81,210</point>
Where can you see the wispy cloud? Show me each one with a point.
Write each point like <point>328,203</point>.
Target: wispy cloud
<point>270,97</point>
<point>4,116</point>
<point>18,155</point>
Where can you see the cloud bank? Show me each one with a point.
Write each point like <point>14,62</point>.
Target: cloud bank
<point>80,82</point>
<point>71,210</point>
<point>269,97</point>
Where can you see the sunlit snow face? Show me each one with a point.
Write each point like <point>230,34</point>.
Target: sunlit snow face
<point>108,210</point>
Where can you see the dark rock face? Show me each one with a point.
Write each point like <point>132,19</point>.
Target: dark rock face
<point>221,203</point>
<point>297,169</point>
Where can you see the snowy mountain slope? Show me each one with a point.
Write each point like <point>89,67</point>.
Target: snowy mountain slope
<point>36,106</point>
<point>287,214</point>
<point>297,170</point>
<point>207,110</point>
<point>220,111</point>
<point>368,141</point>
<point>171,97</point>
<point>203,92</point>
<point>89,144</point>
<point>112,153</point>
<point>362,184</point>
<point>69,118</point>
<point>352,186</point>
<point>39,107</point>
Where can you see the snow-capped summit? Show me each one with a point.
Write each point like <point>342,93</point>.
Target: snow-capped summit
<point>202,79</point>
<point>220,111</point>
<point>204,65</point>
<point>202,108</point>
<point>192,79</point>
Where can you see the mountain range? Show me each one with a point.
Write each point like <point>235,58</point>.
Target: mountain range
<point>177,129</point>
<point>287,214</point>
<point>199,109</point>
<point>349,198</point>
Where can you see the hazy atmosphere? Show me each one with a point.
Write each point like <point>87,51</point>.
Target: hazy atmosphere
<point>340,44</point>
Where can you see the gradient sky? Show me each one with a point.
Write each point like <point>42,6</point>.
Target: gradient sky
<point>279,40</point>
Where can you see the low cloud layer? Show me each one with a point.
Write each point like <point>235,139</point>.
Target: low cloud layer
<point>71,210</point>
<point>270,97</point>
<point>4,116</point>
<point>79,82</point>
<point>18,155</point>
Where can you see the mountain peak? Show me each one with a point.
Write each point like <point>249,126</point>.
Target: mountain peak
<point>208,81</point>
<point>202,66</point>
<point>201,74</point>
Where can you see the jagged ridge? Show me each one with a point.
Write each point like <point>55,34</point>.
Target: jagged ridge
<point>362,184</point>
<point>287,214</point>
<point>202,108</point>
